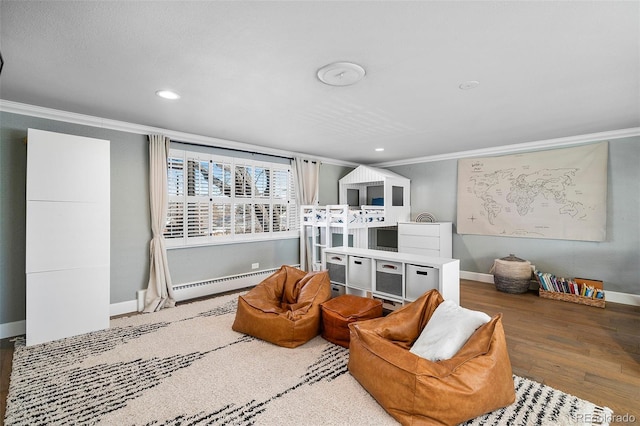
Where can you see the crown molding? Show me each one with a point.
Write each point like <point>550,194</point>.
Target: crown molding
<point>522,147</point>
<point>123,126</point>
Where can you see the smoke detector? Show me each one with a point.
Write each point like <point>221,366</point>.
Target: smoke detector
<point>341,74</point>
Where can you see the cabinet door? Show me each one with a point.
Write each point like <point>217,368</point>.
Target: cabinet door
<point>66,303</point>
<point>67,168</point>
<point>66,235</point>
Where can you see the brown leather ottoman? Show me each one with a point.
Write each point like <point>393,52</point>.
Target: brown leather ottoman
<point>338,312</point>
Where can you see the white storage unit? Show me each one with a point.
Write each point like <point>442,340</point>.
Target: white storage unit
<point>397,278</point>
<point>68,235</point>
<point>425,238</point>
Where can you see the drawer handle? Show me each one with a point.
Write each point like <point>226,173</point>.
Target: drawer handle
<point>422,272</point>
<point>336,258</point>
<point>389,267</point>
<point>357,262</point>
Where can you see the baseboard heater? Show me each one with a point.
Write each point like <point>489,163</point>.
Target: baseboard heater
<point>219,285</point>
<point>213,286</point>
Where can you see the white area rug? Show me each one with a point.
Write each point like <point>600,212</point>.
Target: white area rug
<point>185,366</point>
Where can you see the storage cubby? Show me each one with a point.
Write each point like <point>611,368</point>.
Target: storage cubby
<point>337,266</point>
<point>389,278</point>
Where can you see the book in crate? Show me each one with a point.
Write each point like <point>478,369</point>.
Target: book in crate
<point>577,290</point>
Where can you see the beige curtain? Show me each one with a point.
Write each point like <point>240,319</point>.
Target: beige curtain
<point>307,178</point>
<point>159,291</point>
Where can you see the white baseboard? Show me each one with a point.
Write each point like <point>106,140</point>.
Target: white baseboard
<point>611,296</point>
<point>623,298</point>
<point>476,276</point>
<point>123,307</point>
<point>11,329</point>
<point>18,328</point>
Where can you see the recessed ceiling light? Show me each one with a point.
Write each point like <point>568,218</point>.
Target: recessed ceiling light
<point>168,94</point>
<point>471,84</point>
<point>341,74</point>
<point>379,149</point>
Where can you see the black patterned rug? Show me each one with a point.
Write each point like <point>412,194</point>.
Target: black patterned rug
<point>185,366</point>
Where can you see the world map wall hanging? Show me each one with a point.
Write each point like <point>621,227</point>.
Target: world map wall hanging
<point>556,194</point>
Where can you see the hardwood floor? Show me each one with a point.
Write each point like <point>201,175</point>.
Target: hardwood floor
<point>6,357</point>
<point>588,352</point>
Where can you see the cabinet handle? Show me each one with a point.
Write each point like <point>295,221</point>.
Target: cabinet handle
<point>422,272</point>
<point>357,262</point>
<point>389,267</point>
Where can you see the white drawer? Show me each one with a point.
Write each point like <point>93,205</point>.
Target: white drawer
<point>419,242</point>
<point>420,251</point>
<point>424,229</point>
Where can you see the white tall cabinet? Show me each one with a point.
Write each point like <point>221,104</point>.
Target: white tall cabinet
<point>68,235</point>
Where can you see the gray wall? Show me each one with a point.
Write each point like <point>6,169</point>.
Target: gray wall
<point>616,261</point>
<point>433,189</point>
<point>330,174</point>
<point>129,209</point>
<point>130,221</point>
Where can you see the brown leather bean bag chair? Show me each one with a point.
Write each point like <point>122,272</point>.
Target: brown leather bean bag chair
<point>284,309</point>
<point>416,391</point>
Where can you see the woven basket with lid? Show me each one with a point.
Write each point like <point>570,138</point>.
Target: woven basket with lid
<point>511,274</point>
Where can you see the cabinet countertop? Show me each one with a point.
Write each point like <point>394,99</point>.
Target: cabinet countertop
<point>423,223</point>
<point>392,256</point>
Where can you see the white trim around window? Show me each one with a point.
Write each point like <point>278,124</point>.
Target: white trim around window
<point>215,199</point>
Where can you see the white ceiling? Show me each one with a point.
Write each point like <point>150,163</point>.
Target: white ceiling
<point>247,70</point>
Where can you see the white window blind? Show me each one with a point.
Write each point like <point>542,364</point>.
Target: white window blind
<point>175,176</point>
<point>216,199</point>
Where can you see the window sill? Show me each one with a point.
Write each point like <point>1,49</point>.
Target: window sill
<point>236,240</point>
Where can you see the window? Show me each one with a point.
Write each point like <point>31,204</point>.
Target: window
<point>218,199</point>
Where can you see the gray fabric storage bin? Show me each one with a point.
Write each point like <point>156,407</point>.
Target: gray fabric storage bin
<point>337,267</point>
<point>337,290</point>
<point>389,278</point>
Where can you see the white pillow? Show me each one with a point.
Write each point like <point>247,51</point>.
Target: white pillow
<point>447,331</point>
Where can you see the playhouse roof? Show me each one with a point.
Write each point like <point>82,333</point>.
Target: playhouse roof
<point>364,174</point>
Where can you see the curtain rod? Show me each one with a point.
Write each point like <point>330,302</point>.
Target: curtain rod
<point>232,149</point>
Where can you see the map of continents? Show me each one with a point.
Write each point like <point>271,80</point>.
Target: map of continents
<point>557,194</point>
